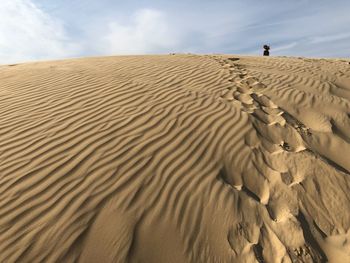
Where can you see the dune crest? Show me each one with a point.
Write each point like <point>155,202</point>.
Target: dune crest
<point>179,158</point>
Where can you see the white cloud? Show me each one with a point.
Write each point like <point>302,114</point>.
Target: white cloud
<point>105,27</point>
<point>148,31</point>
<point>285,47</point>
<point>27,33</point>
<point>329,38</point>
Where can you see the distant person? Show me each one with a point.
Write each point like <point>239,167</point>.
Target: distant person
<point>266,50</point>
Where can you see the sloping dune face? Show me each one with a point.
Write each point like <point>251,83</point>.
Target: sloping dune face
<point>177,158</point>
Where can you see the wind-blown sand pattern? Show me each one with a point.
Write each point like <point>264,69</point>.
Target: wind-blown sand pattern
<point>179,158</point>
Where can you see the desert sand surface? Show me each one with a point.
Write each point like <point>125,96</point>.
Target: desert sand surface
<point>175,158</point>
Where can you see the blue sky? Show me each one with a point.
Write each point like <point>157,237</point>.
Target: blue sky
<point>47,29</point>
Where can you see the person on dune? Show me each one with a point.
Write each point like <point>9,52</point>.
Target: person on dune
<point>266,50</point>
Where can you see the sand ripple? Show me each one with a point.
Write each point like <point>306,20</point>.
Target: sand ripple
<point>178,158</point>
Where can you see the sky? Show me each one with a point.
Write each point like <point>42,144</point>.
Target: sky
<point>33,30</point>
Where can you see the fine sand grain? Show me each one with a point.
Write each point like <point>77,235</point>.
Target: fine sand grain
<point>179,158</point>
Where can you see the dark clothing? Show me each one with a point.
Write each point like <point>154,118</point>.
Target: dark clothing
<point>266,53</point>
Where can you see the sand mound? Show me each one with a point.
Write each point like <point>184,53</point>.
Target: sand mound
<point>177,158</point>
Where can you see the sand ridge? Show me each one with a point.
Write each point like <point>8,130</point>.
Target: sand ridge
<point>178,158</point>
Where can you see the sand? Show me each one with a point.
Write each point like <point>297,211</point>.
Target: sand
<point>175,158</point>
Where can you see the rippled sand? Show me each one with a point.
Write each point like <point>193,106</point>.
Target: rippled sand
<point>178,158</point>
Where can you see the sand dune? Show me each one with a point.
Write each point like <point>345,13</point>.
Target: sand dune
<point>179,158</point>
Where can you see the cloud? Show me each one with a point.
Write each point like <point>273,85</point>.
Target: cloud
<point>27,33</point>
<point>38,29</point>
<point>329,38</point>
<point>285,47</point>
<point>148,31</point>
